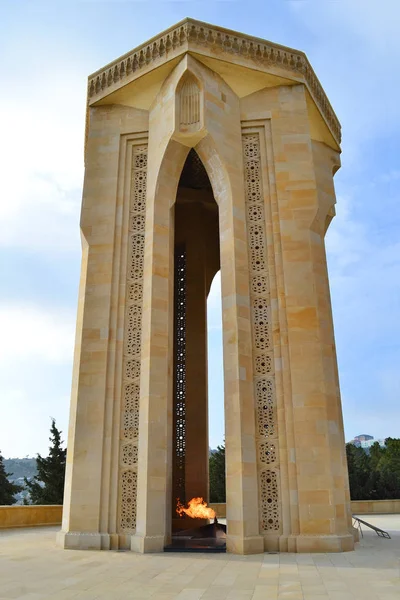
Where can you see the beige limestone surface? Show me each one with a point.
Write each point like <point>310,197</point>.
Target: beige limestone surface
<point>33,568</point>
<point>375,507</point>
<point>270,157</point>
<point>30,516</point>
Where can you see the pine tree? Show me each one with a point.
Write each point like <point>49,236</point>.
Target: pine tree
<point>47,487</point>
<point>7,489</point>
<point>217,475</point>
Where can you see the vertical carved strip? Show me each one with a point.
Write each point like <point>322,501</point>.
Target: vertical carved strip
<point>189,103</point>
<point>132,343</point>
<point>261,324</point>
<point>180,375</point>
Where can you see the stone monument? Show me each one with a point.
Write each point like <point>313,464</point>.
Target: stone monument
<point>207,149</point>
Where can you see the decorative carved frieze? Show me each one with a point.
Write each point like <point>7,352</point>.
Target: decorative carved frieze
<point>189,35</point>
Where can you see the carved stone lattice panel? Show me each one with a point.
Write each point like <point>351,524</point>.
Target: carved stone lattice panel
<point>179,375</point>
<point>135,292</point>
<point>137,222</point>
<point>267,453</point>
<point>260,284</point>
<point>263,360</point>
<point>258,256</point>
<point>128,488</point>
<point>132,343</point>
<point>136,256</point>
<point>263,364</point>
<point>269,500</point>
<point>129,456</point>
<point>132,369</point>
<point>133,330</point>
<point>266,413</point>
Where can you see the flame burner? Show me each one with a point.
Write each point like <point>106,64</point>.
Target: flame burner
<point>205,538</point>
<point>208,538</point>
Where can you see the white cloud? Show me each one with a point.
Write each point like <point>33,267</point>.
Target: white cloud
<point>364,271</point>
<point>364,267</point>
<point>35,375</point>
<point>42,163</point>
<point>373,23</point>
<point>354,48</point>
<point>391,176</point>
<point>36,334</point>
<point>27,412</point>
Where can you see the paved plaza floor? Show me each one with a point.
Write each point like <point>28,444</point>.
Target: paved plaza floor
<point>33,568</point>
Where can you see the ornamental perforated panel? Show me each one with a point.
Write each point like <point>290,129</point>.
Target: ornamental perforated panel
<point>263,363</point>
<point>179,375</point>
<point>132,343</point>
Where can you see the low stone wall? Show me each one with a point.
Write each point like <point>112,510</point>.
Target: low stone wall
<point>358,507</point>
<point>378,507</point>
<point>30,516</point>
<point>34,516</point>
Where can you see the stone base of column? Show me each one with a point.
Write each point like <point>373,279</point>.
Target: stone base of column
<point>146,544</point>
<point>356,534</point>
<point>272,543</point>
<point>76,540</point>
<point>320,543</point>
<point>244,545</point>
<point>188,523</point>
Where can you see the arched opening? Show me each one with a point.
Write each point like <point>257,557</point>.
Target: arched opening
<point>216,412</point>
<point>196,261</point>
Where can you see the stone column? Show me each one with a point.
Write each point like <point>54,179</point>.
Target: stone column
<point>88,435</point>
<point>318,453</point>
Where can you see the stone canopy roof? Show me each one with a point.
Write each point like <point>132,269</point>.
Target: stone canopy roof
<point>212,45</point>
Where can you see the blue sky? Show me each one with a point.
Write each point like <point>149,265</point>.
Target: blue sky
<point>47,50</point>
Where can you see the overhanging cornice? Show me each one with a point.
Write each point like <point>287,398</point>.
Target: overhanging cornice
<point>208,40</point>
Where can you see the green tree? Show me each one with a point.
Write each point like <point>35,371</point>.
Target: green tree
<point>374,474</point>
<point>7,489</point>
<point>376,452</point>
<point>389,467</point>
<point>377,488</point>
<point>217,475</point>
<point>47,487</point>
<point>358,462</point>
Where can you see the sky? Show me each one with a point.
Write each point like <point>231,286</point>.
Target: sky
<point>47,50</point>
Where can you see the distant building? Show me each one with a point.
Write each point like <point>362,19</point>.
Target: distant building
<point>369,443</point>
<point>364,437</point>
<point>366,441</point>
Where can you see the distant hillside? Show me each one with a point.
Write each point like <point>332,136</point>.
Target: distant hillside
<point>20,467</point>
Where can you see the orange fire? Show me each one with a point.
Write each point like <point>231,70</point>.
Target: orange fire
<point>197,509</point>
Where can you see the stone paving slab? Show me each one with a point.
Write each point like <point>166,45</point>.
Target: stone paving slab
<point>33,568</point>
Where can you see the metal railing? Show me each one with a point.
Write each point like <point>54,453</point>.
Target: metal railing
<point>380,532</point>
